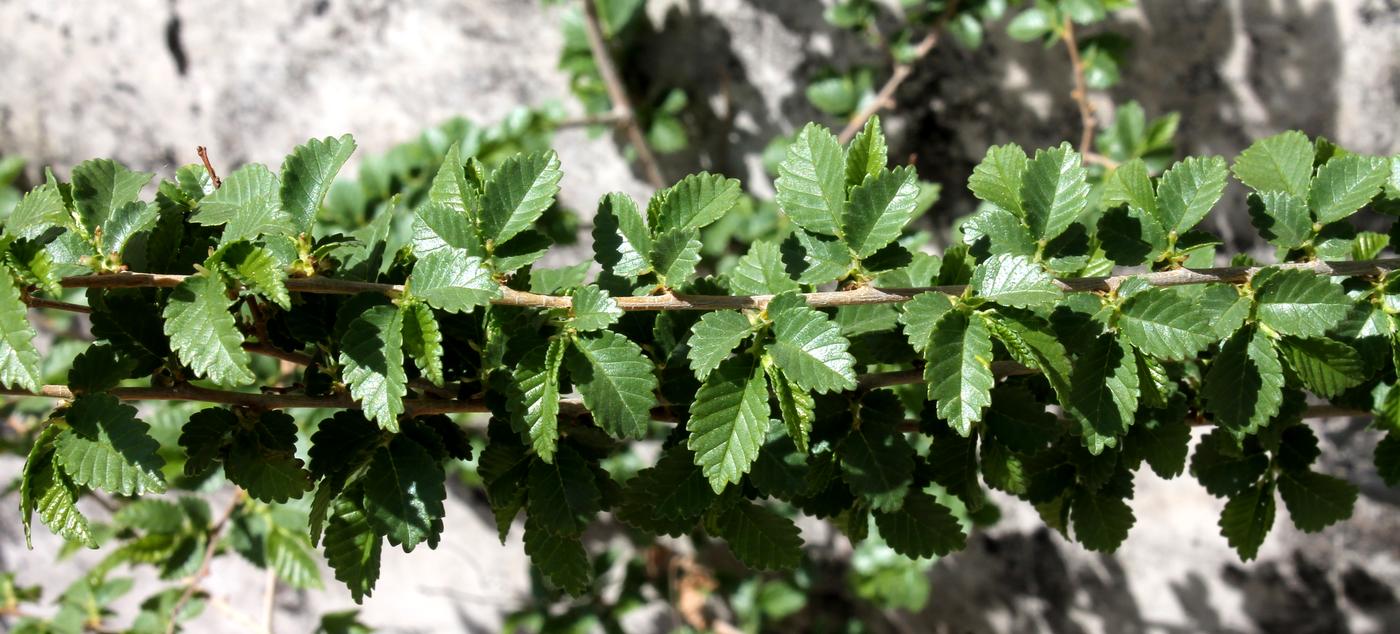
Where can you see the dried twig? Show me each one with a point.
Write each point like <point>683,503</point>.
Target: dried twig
<point>1080,94</point>
<point>209,167</point>
<point>617,93</point>
<point>215,535</point>
<point>884,98</point>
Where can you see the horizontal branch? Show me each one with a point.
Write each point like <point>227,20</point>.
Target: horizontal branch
<point>865,295</point>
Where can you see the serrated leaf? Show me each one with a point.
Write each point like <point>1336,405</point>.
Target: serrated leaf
<point>1101,522</point>
<point>921,528</point>
<point>101,187</point>
<point>616,380</point>
<point>761,272</point>
<point>593,309</point>
<point>879,208</point>
<point>760,538</point>
<point>40,456</point>
<point>1162,440</point>
<point>518,192</point>
<point>40,209</point>
<point>811,184</point>
<point>537,375</point>
<point>19,359</point>
<point>824,258</point>
<point>809,347</point>
<point>1344,184</point>
<point>1104,392</point>
<point>151,515</point>
<point>1282,162</point>
<point>372,358</point>
<point>353,548</point>
<point>437,226</point>
<point>1314,500</point>
<point>561,559</point>
<point>919,316</point>
<point>1054,191</point>
<point>621,241</point>
<point>713,337</point>
<point>1325,366</point>
<point>288,557</point>
<point>1247,518</point>
<point>55,498</point>
<point>422,341</point>
<point>203,333</point>
<point>258,270</point>
<point>247,202</point>
<point>959,373</point>
<point>1003,231</point>
<point>1281,218</point>
<point>1188,191</point>
<point>695,202</point>
<point>204,436</point>
<point>1243,388</point>
<point>674,256</point>
<point>1225,469</point>
<point>729,420</point>
<point>795,405</point>
<point>1018,421</point>
<point>1014,280</point>
<point>997,179</point>
<point>404,493</point>
<point>563,495</point>
<point>675,488</point>
<point>124,223</point>
<point>878,464</point>
<point>867,154</point>
<point>1300,303</point>
<point>1132,184</point>
<point>263,460</point>
<point>450,280</point>
<point>107,447</point>
<point>307,174</point>
<point>1387,459</point>
<point>1166,324</point>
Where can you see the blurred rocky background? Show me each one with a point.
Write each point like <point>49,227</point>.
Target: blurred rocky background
<point>145,81</point>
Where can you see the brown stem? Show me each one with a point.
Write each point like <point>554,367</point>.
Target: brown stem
<point>215,535</point>
<point>617,93</point>
<point>884,98</point>
<point>611,118</point>
<point>865,295</point>
<point>1080,94</point>
<point>208,167</point>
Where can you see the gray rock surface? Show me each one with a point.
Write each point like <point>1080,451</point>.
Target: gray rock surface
<point>145,81</point>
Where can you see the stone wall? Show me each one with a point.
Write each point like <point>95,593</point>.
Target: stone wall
<point>145,81</point>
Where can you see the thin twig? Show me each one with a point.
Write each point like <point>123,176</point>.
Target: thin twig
<point>1080,94</point>
<point>215,535</point>
<point>270,599</point>
<point>862,296</point>
<point>884,98</point>
<point>208,167</point>
<point>610,118</point>
<point>617,93</point>
<point>39,302</point>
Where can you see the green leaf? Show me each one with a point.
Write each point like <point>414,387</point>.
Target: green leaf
<point>437,226</point>
<point>107,447</point>
<point>307,174</point>
<point>1018,421</point>
<point>288,556</point>
<point>1327,367</point>
<point>878,464</point>
<point>40,457</point>
<point>761,272</point>
<point>561,559</point>
<point>450,280</point>
<point>563,495</point>
<point>422,341</point>
<point>616,381</point>
<point>797,407</point>
<point>997,179</point>
<point>101,187</point>
<point>55,497</point>
<point>1166,324</point>
<point>808,346</point>
<point>593,309</point>
<point>921,528</point>
<point>1101,522</point>
<point>537,375</point>
<point>674,256</point>
<point>124,223</point>
<point>696,201</point>
<point>868,154</point>
<point>1388,459</point>
<point>1054,191</point>
<point>1188,191</point>
<point>404,492</point>
<point>39,210</point>
<point>248,202</point>
<point>372,358</point>
<point>674,488</point>
<point>1282,218</point>
<point>1283,162</point>
<point>1132,184</point>
<point>729,420</point>
<point>1224,468</point>
<point>1014,280</point>
<point>621,241</point>
<point>353,548</point>
<point>760,538</point>
<point>1300,303</point>
<point>1104,392</point>
<point>811,184</point>
<point>959,372</point>
<point>1244,386</point>
<point>880,207</point>
<point>256,269</point>
<point>264,461</point>
<point>1247,518</point>
<point>1345,184</point>
<point>204,436</point>
<point>518,192</point>
<point>1314,500</point>
<point>453,192</point>
<point>203,333</point>
<point>713,337</point>
<point>19,359</point>
<point>1163,440</point>
<point>152,516</point>
<point>919,316</point>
